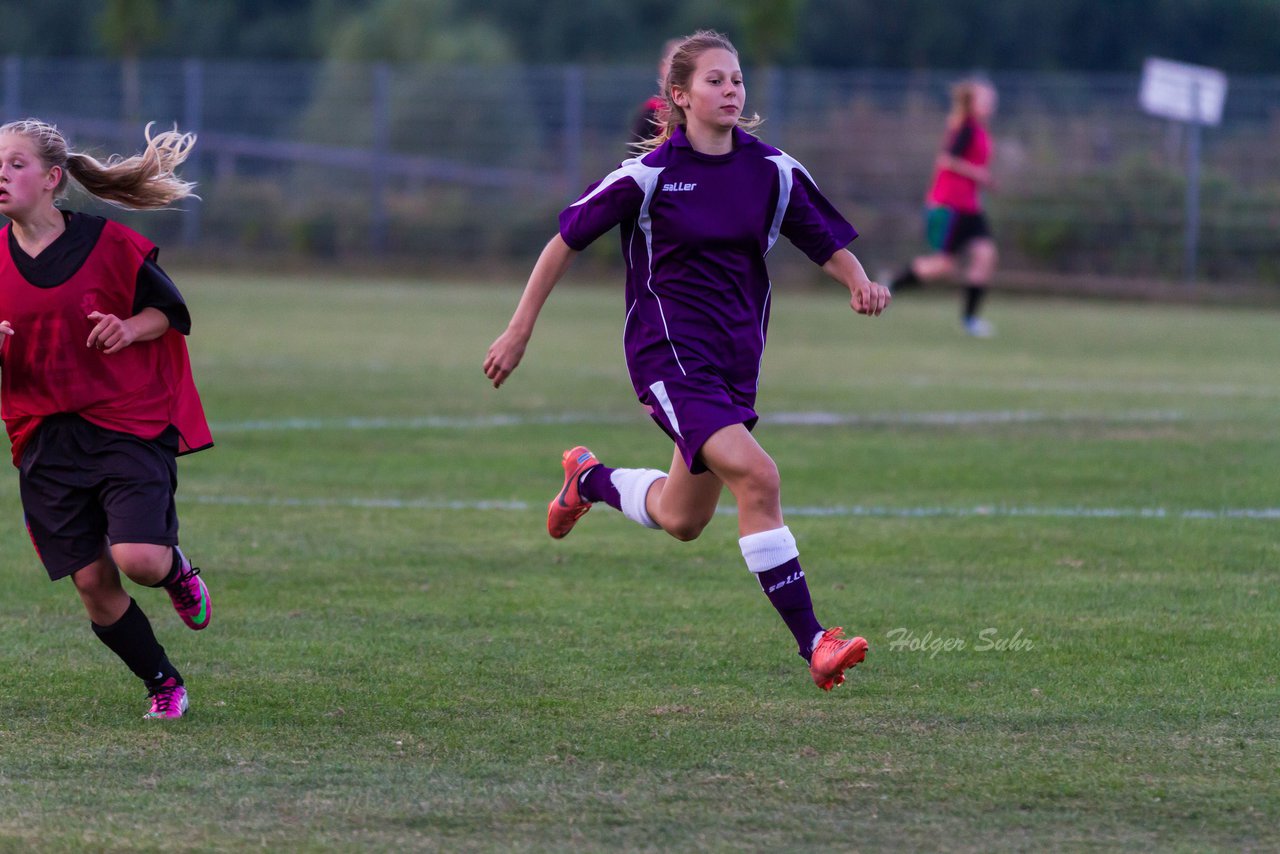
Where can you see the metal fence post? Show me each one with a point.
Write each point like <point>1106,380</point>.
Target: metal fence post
<point>193,121</point>
<point>12,88</point>
<point>774,104</point>
<point>573,127</point>
<point>1193,185</point>
<point>379,222</point>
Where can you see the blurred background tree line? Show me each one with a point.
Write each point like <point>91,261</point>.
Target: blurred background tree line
<point>1025,35</point>
<point>447,130</point>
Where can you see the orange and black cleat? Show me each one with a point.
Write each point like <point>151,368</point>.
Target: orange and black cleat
<point>568,506</point>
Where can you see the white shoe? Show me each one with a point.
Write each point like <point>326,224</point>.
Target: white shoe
<point>978,328</point>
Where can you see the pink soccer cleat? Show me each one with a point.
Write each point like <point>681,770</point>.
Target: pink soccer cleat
<point>168,700</point>
<point>190,595</point>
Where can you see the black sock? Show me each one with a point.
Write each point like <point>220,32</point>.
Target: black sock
<point>905,279</point>
<point>973,295</point>
<point>131,638</point>
<point>173,571</point>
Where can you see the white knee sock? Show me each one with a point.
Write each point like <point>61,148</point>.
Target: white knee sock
<point>767,549</point>
<point>633,486</point>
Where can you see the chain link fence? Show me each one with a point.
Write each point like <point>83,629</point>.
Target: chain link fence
<point>449,164</point>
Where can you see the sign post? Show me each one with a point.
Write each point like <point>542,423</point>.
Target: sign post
<point>1193,95</point>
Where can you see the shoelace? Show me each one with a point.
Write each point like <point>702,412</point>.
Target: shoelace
<point>164,700</point>
<point>830,641</point>
<point>184,591</point>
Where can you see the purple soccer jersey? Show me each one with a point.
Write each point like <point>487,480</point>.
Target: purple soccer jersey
<point>695,231</point>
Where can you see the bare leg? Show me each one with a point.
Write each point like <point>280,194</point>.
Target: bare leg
<point>737,459</point>
<point>683,503</point>
<point>144,563</point>
<point>100,590</point>
<point>937,266</point>
<point>982,261</point>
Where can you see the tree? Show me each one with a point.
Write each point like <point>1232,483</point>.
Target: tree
<point>769,28</point>
<point>127,28</point>
<point>427,31</point>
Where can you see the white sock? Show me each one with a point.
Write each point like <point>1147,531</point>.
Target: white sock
<point>768,549</point>
<point>633,487</point>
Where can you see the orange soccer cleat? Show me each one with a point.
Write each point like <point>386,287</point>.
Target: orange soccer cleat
<point>832,655</point>
<point>568,506</point>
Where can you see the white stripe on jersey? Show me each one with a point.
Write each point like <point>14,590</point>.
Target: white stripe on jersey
<point>646,225</point>
<point>646,178</point>
<point>659,390</point>
<point>786,164</point>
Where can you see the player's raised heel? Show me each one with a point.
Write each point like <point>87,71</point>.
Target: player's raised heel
<point>569,506</point>
<point>190,596</point>
<point>832,655</point>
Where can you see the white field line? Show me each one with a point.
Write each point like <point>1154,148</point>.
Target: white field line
<point>426,422</point>
<point>1204,389</point>
<point>803,419</point>
<point>964,419</point>
<point>993,511</point>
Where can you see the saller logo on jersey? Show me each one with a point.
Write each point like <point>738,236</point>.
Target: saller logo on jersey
<point>677,187</point>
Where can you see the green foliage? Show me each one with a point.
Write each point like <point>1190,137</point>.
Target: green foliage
<point>1237,35</point>
<point>419,31</point>
<point>1132,217</point>
<point>127,27</point>
<point>769,28</point>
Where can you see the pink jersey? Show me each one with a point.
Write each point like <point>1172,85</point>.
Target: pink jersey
<point>969,142</point>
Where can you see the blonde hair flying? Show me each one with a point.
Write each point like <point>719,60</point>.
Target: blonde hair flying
<point>145,181</point>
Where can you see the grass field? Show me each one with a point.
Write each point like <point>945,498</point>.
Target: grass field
<point>1061,543</point>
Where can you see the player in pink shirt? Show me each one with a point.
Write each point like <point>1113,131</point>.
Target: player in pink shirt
<point>955,224</point>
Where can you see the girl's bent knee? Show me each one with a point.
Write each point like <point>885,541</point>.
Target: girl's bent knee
<point>763,486</point>
<point>686,530</point>
<point>143,563</point>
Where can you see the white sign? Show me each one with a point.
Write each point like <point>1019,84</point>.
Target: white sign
<point>1185,93</point>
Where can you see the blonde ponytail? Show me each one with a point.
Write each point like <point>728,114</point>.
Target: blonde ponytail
<point>144,181</point>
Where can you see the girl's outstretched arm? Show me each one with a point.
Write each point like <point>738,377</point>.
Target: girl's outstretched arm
<point>979,174</point>
<point>506,352</point>
<point>865,296</point>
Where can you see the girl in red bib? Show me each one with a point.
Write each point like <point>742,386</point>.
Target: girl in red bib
<point>95,387</point>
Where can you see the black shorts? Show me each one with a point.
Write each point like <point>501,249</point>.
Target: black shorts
<point>950,231</point>
<point>83,486</point>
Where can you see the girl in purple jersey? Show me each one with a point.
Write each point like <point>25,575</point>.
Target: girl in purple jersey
<point>698,213</point>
